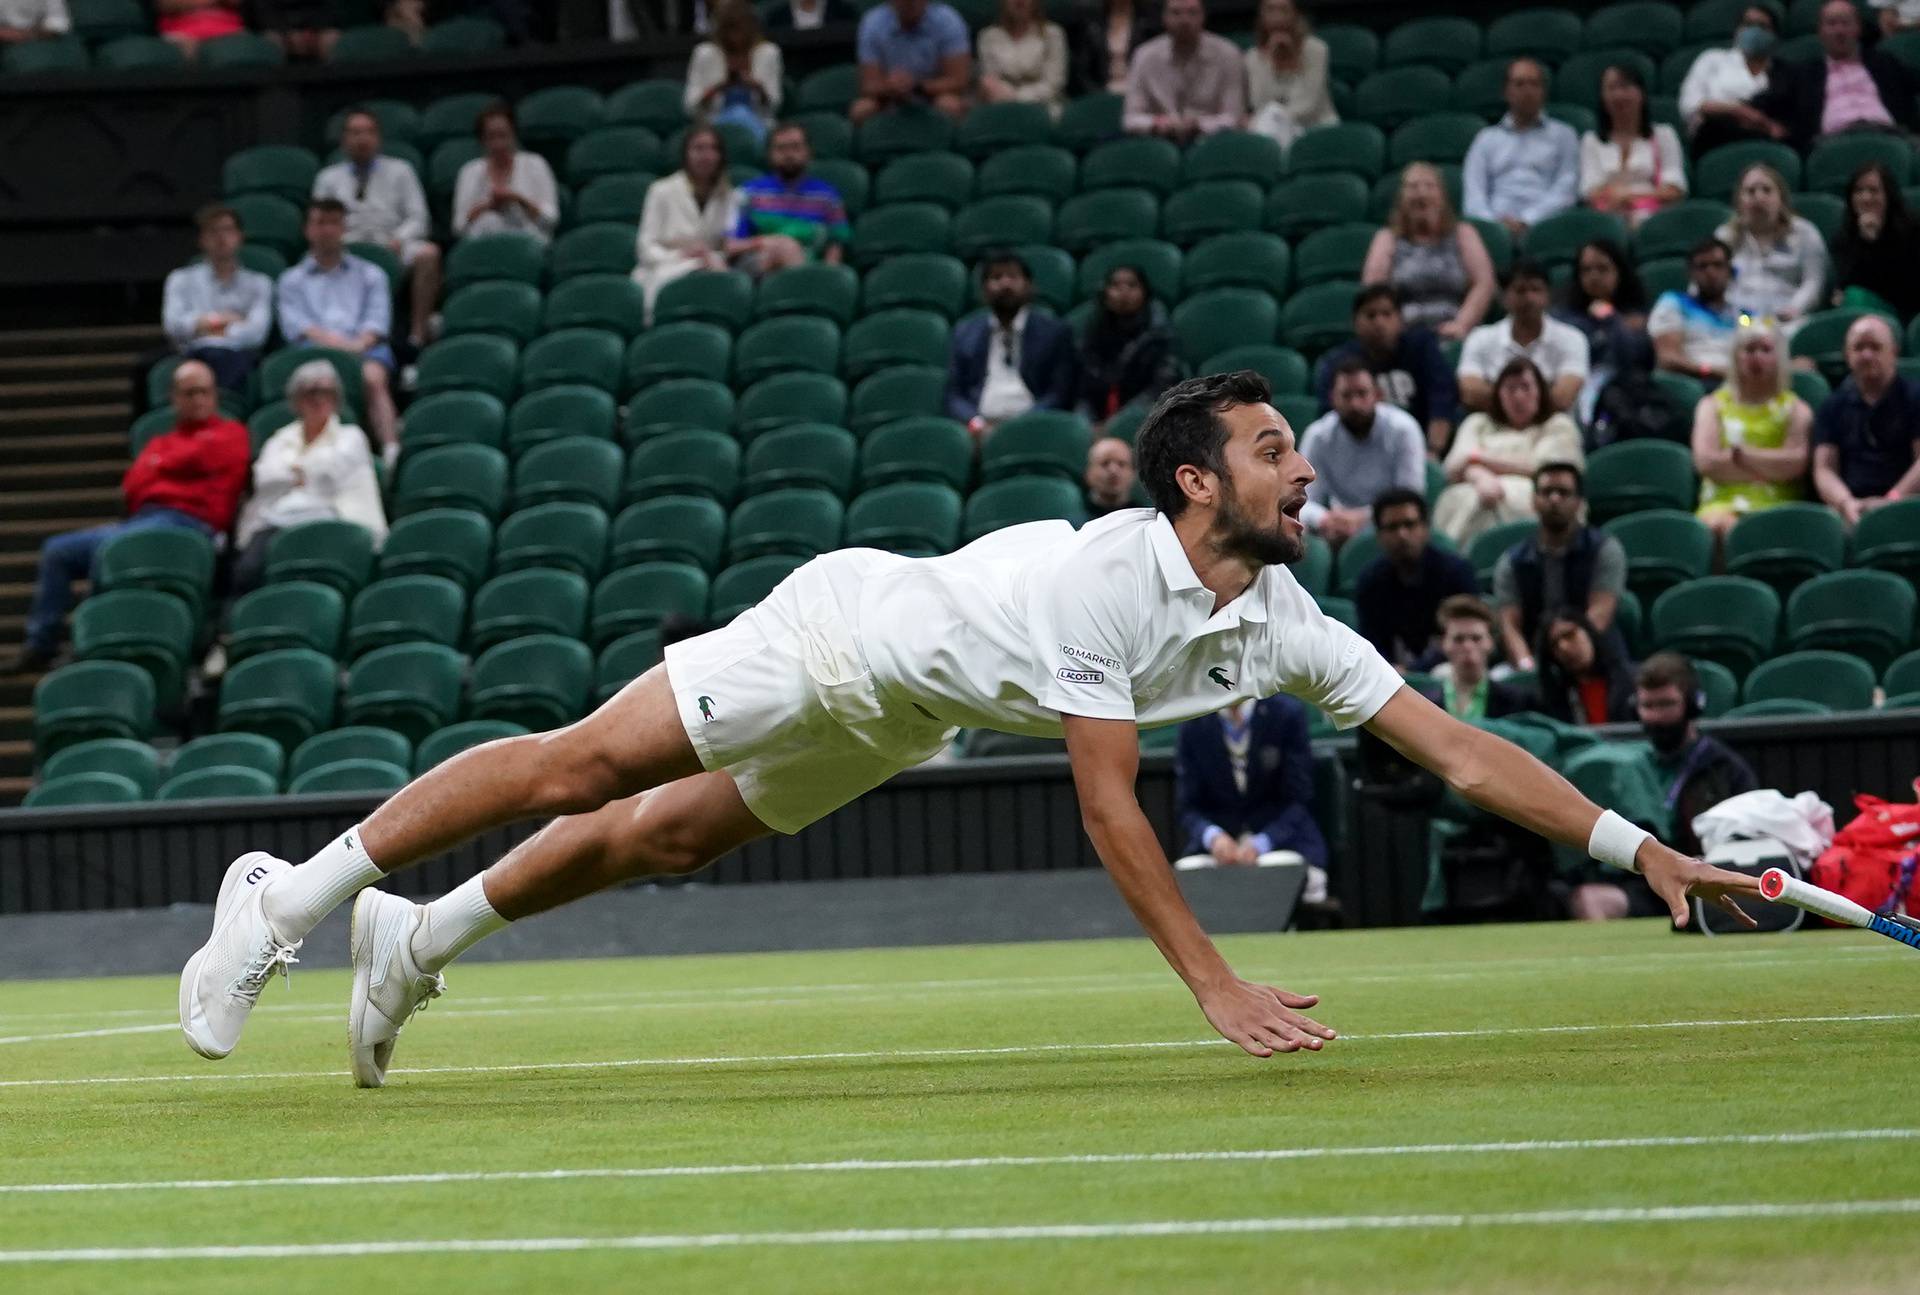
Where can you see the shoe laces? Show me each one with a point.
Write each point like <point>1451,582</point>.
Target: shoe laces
<point>427,988</point>
<point>273,956</point>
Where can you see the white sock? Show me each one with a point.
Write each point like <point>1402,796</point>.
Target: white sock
<point>296,900</point>
<point>452,924</point>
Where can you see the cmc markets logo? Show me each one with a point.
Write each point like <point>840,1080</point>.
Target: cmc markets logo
<point>1090,658</point>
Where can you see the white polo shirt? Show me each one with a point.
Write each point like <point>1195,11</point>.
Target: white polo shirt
<point>1038,621</point>
<point>1561,349</point>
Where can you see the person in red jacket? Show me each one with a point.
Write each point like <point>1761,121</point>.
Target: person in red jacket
<point>191,476</point>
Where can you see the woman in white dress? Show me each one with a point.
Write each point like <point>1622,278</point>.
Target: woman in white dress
<point>736,76</point>
<point>688,216</point>
<point>1287,75</point>
<point>505,190</point>
<point>1495,455</point>
<point>1023,57</point>
<point>1631,166</point>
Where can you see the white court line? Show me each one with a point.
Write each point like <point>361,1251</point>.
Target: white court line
<point>1029,1232</point>
<point>95,1034</point>
<point>977,1162</point>
<point>919,1054</point>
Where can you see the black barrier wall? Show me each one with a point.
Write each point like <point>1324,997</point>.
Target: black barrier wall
<point>1002,815</point>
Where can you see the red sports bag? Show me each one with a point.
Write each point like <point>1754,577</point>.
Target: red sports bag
<point>1874,859</point>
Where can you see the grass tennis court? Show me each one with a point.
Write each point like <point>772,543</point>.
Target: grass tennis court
<point>646,1124</point>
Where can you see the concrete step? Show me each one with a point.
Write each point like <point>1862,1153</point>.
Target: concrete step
<point>44,391</point>
<point>16,757</point>
<point>16,689</point>
<point>82,341</point>
<point>62,420</point>
<point>73,474</point>
<point>96,364</point>
<point>16,597</point>
<point>28,532</point>
<point>14,790</point>
<point>101,503</point>
<point>71,447</point>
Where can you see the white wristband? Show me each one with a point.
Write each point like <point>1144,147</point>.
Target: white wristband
<point>1616,841</point>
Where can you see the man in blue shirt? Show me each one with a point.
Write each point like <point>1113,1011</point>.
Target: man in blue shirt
<point>788,217</point>
<point>1408,364</point>
<point>1866,438</point>
<point>336,300</point>
<point>913,52</point>
<point>216,310</point>
<point>1526,166</point>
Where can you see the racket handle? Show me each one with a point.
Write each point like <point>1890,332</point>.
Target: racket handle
<point>1783,889</point>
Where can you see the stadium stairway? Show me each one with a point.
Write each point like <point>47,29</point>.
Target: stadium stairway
<point>64,412</point>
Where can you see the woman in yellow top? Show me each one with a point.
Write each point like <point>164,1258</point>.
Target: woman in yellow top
<point>1750,442</point>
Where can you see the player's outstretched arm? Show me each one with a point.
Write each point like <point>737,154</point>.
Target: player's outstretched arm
<point>1498,776</point>
<point>1105,754</point>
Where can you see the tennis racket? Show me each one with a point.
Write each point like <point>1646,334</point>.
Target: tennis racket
<point>1777,886</point>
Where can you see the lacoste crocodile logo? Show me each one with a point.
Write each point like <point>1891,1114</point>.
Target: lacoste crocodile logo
<point>706,708</point>
<point>1219,675</point>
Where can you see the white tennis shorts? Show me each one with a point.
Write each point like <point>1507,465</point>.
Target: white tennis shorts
<point>782,699</point>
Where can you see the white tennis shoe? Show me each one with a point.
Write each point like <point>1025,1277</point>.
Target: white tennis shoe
<point>222,982</point>
<point>388,986</point>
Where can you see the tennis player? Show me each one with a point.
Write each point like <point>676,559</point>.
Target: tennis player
<point>862,664</point>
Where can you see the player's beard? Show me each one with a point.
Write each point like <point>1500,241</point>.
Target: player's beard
<point>1242,536</point>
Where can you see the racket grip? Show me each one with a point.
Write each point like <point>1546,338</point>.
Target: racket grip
<point>1783,889</point>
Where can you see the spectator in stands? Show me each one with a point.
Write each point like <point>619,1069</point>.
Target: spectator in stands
<point>1128,353</point>
<point>1496,455</point>
<point>306,29</point>
<point>408,17</point>
<point>1110,477</point>
<point>1407,365</point>
<point>313,469</point>
<point>1526,166</point>
<point>913,52</point>
<point>217,310</point>
<point>1693,331</point>
<point>1779,258</point>
<point>1287,65</point>
<point>1607,304</point>
<point>788,217</point>
<point>1850,88</point>
<point>688,216</point>
<point>1023,57</point>
<point>1402,590</point>
<point>1866,439</point>
<point>386,205</point>
<point>1436,263</point>
<point>1897,15</point>
<point>1012,358</point>
<point>1874,262</point>
<point>1563,564</point>
<point>1466,641</point>
<point>1558,351</point>
<point>1185,82</point>
<point>1361,449</point>
<point>1750,437</point>
<point>187,23</point>
<point>1632,166</point>
<point>507,189</point>
<point>737,75</point>
<point>1716,99</point>
<point>1243,790</point>
<point>30,20</point>
<point>1106,43</point>
<point>810,15</point>
<point>191,476</point>
<point>1584,677</point>
<point>333,298</point>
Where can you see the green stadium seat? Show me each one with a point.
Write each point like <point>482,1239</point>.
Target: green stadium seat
<point>1038,443</point>
<point>1318,318</point>
<point>138,54</point>
<point>991,127</point>
<point>1557,239</point>
<point>626,659</point>
<point>1577,80</point>
<point>832,141</point>
<point>1834,159</point>
<point>892,394</point>
<point>1721,689</point>
<point>1233,155</point>
<point>1019,499</point>
<point>91,699</point>
<point>1778,708</point>
<point>1393,97</point>
<point>677,351</point>
<point>1209,207</point>
<point>287,695</point>
<point>904,227</point>
<point>76,789</point>
<point>528,602</point>
<point>240,50</point>
<point>1867,613</point>
<point>1673,231</point>
<point>277,369</point>
<point>1335,253</point>
<point>831,291</point>
<point>168,559</point>
<point>797,521</point>
<point>137,762</point>
<point>143,627</point>
<point>1355,147</point>
<point>611,150</point>
<point>670,528</point>
<point>720,297</point>
<point>501,306</point>
<point>913,517</point>
<point>1664,274</point>
<point>1352,50</point>
<point>539,682</point>
<point>1448,43</point>
<point>1210,322</point>
<point>1088,120</point>
<point>638,597</point>
<point>882,138</point>
<point>1305,203</point>
<point>743,584</point>
<point>1498,241</point>
<point>922,448</point>
<point>784,344</point>
<point>1440,138</point>
<point>1299,411</point>
<point>1087,220</point>
<point>1787,544</point>
<point>263,260</point>
<point>1314,570</point>
<point>412,688</point>
<point>473,477</point>
<point>354,742</point>
<point>573,356</point>
<point>1633,475</point>
<point>802,454</point>
<point>218,782</point>
<point>449,542</point>
<point>892,338</point>
<point>454,418</point>
<point>1549,35</point>
<point>581,469</point>
<point>472,362</point>
<point>1888,539</point>
<point>1838,681</point>
<point>564,536</point>
<point>1712,20</point>
<point>619,196</point>
<point>550,120</point>
<point>371,43</point>
<point>1041,170</point>
<point>441,746</point>
<point>917,281</point>
<point>97,21</point>
<point>687,462</point>
<point>1646,26</point>
<point>1664,547</point>
<point>406,609</point>
<point>344,776</point>
<point>1902,680</point>
<point>442,176</point>
<point>942,178</point>
<point>1731,620</point>
<point>602,302</point>
<point>1811,387</point>
<point>1718,172</point>
<point>283,170</point>
<point>467,36</point>
<point>788,398</point>
<point>227,751</point>
<point>831,89</point>
<point>1481,87</point>
<point>516,258</point>
<point>1053,272</point>
<point>569,410</point>
<point>993,223</point>
<point>1485,550</point>
<point>1286,371</point>
<point>606,248</point>
<point>290,614</point>
<point>1826,212</point>
<point>1157,261</point>
<point>1133,162</point>
<point>451,117</point>
<point>677,404</point>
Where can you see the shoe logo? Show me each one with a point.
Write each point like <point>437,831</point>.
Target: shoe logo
<point>254,874</point>
<point>1219,675</point>
<point>706,708</point>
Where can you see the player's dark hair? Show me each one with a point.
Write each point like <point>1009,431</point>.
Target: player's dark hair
<point>1376,292</point>
<point>1397,497</point>
<point>1570,469</point>
<point>1668,669</point>
<point>1185,428</point>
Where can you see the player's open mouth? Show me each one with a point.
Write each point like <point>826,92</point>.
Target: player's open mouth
<point>1291,510</point>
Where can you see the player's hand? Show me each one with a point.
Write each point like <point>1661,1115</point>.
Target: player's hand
<point>1675,878</point>
<point>1262,1019</point>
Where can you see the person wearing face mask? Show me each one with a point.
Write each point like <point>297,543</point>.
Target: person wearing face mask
<point>1716,99</point>
<point>1360,450</point>
<point>1874,267</point>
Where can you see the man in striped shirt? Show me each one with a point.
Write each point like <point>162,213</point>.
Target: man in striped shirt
<point>788,217</point>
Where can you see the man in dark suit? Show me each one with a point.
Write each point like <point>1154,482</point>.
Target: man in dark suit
<point>1243,789</point>
<point>1846,88</point>
<point>1011,359</point>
